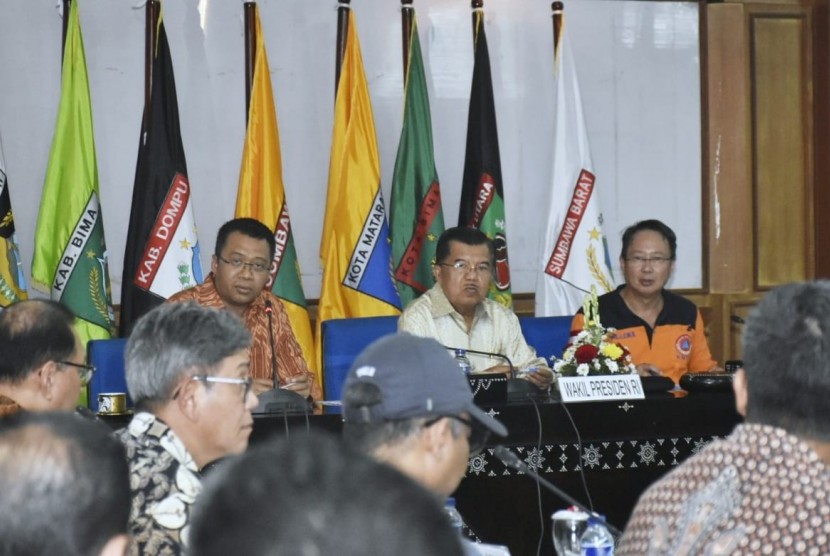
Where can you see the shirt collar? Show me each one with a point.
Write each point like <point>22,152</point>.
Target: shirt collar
<point>442,307</point>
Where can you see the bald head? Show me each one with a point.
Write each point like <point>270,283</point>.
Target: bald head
<point>33,332</point>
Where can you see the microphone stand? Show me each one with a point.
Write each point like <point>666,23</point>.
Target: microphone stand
<point>488,354</point>
<point>279,400</point>
<point>512,460</point>
<point>269,311</point>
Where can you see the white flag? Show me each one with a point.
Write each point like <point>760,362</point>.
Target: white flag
<point>575,255</point>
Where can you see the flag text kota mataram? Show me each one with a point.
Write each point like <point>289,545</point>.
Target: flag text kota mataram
<point>562,250</point>
<point>366,243</point>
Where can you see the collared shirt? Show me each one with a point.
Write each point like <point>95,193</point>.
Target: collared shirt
<point>495,329</point>
<point>759,491</point>
<point>289,355</point>
<point>677,343</point>
<point>164,484</point>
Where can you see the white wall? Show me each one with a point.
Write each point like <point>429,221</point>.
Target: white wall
<point>638,63</point>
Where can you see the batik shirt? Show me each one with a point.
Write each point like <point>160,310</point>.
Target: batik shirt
<point>288,354</point>
<point>164,484</point>
<point>759,491</point>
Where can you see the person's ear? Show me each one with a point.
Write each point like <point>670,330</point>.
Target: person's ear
<point>437,437</point>
<point>436,271</point>
<point>214,263</point>
<point>189,398</point>
<point>116,546</point>
<point>45,379</point>
<point>741,394</point>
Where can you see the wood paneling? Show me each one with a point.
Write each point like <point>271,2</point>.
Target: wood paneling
<point>729,150</point>
<point>781,80</point>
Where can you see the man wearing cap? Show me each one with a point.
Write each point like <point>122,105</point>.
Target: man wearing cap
<point>406,403</point>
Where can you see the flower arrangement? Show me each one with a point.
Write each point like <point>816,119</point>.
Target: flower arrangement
<point>592,352</point>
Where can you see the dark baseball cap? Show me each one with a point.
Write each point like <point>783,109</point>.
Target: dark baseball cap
<point>416,378</point>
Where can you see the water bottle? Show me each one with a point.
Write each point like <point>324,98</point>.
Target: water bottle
<point>463,361</point>
<point>453,515</point>
<point>596,540</point>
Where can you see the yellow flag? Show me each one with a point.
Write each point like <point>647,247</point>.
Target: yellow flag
<point>355,251</point>
<point>261,195</point>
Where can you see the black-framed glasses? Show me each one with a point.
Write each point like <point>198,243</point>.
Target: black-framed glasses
<point>479,434</point>
<point>246,383</point>
<point>463,267</point>
<point>239,264</point>
<point>84,371</point>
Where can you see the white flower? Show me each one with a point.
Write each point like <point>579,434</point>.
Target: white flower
<point>597,365</point>
<point>582,369</point>
<point>558,364</point>
<point>612,366</point>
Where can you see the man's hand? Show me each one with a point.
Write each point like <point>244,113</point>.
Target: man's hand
<point>503,369</point>
<point>261,385</point>
<point>299,384</point>
<point>647,369</point>
<point>542,377</point>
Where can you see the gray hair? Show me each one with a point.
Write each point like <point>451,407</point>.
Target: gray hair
<point>786,346</point>
<point>175,340</point>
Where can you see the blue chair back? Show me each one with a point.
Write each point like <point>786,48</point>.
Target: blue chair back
<point>547,335</point>
<point>108,358</point>
<point>343,340</point>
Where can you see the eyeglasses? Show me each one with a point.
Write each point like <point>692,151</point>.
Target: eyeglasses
<point>246,383</point>
<point>478,433</point>
<point>239,264</point>
<point>84,371</point>
<point>641,261</point>
<point>464,266</point>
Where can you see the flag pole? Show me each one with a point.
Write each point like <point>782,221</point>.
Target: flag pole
<point>558,10</point>
<point>343,8</point>
<point>407,13</point>
<point>477,6</point>
<point>152,9</point>
<point>250,52</point>
<point>67,5</point>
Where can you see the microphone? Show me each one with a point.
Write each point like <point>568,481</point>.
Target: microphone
<point>269,310</point>
<point>512,460</point>
<point>488,354</point>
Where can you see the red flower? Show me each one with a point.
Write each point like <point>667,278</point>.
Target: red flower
<point>586,353</point>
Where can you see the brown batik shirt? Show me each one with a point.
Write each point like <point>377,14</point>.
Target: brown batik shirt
<point>289,355</point>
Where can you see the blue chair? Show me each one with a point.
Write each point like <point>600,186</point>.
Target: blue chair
<point>547,335</point>
<point>343,340</point>
<point>108,358</point>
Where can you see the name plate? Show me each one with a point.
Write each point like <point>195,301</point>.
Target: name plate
<point>600,388</point>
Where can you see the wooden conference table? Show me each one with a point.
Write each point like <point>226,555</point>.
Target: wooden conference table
<point>625,447</point>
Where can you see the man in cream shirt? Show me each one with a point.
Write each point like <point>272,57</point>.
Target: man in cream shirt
<point>457,313</point>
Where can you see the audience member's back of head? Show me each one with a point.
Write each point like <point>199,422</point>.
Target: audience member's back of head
<point>33,332</point>
<point>311,496</point>
<point>64,486</point>
<point>786,345</point>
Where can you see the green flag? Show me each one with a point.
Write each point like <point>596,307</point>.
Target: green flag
<point>70,259</point>
<point>416,218</point>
